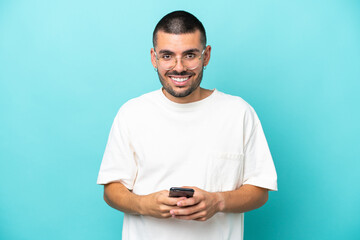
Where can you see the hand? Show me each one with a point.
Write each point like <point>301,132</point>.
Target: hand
<point>158,204</point>
<point>202,206</point>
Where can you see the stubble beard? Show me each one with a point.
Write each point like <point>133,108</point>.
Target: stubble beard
<point>194,85</point>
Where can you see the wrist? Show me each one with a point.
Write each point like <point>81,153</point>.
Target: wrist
<point>220,200</point>
<point>140,205</point>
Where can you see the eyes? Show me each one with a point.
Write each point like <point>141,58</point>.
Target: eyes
<point>187,56</point>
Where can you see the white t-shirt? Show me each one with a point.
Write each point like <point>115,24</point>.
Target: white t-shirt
<point>216,144</point>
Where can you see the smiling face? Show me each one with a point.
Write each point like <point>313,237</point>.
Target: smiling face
<point>180,84</point>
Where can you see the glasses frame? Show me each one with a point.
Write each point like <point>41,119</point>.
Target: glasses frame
<point>176,61</point>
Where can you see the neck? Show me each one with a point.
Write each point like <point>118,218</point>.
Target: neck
<point>197,95</point>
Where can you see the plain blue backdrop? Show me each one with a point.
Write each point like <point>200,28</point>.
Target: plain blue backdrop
<point>67,66</point>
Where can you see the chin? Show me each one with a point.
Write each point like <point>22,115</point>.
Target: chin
<point>179,94</point>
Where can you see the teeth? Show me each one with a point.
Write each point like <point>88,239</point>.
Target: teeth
<point>179,79</point>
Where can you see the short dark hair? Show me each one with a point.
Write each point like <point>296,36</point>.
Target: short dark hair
<point>180,22</point>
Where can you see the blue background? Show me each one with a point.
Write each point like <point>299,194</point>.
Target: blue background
<point>67,66</point>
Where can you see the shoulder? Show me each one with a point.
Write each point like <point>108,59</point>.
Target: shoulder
<point>233,103</point>
<point>141,100</point>
<point>234,107</point>
<point>139,104</point>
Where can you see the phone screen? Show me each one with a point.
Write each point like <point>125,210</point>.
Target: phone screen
<point>181,192</point>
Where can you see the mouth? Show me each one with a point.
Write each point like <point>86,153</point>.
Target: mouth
<point>180,80</point>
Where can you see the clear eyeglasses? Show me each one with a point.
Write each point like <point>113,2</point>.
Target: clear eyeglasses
<point>190,60</point>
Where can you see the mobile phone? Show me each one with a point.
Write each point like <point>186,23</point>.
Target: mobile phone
<point>181,192</point>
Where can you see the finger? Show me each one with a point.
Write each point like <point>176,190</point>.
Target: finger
<point>185,211</point>
<point>199,216</point>
<point>171,201</point>
<point>166,209</point>
<point>165,215</point>
<point>186,202</point>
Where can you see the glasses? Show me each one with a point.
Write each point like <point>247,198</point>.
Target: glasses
<point>190,61</point>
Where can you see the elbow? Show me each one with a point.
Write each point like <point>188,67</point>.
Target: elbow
<point>106,199</point>
<point>264,197</point>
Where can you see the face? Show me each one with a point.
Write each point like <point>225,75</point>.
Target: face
<point>179,83</point>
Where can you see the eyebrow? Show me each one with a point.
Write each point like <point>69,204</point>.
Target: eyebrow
<point>165,51</point>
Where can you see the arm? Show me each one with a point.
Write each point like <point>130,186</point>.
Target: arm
<point>158,204</point>
<point>205,204</point>
<point>244,199</point>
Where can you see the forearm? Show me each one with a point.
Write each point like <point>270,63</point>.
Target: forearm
<point>203,205</point>
<point>117,196</point>
<point>156,204</point>
<point>243,199</point>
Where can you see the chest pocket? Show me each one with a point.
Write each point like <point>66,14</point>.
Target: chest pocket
<point>224,172</point>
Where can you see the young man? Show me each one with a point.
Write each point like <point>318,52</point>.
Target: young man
<point>185,136</point>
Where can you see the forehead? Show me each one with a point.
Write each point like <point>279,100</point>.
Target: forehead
<point>178,42</point>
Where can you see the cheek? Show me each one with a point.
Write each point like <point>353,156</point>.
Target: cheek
<point>162,73</point>
<point>197,73</point>
<point>162,77</point>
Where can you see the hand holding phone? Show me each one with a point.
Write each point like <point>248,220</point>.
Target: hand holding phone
<point>181,192</point>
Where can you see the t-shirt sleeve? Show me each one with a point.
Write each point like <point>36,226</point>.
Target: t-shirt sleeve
<point>259,169</point>
<point>118,163</point>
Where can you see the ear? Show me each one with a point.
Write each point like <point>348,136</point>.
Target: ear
<point>207,54</point>
<point>153,57</point>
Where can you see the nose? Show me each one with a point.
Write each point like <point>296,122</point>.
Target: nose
<point>179,66</point>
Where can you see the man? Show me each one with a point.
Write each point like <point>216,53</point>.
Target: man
<point>184,135</point>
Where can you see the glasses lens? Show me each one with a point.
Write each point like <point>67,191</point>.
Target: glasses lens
<point>167,64</point>
<point>190,61</point>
